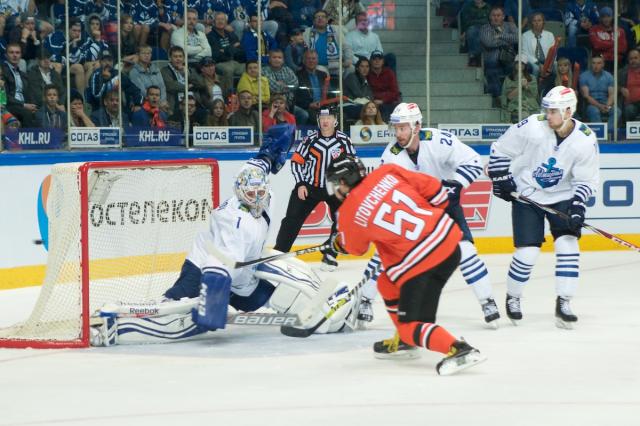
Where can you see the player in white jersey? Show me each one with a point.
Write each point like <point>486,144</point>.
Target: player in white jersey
<point>442,155</point>
<point>551,158</point>
<point>237,230</point>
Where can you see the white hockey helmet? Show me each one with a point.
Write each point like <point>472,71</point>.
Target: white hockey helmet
<point>406,113</point>
<point>252,189</point>
<point>560,98</point>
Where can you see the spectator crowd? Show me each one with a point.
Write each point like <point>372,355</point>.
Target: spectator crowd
<point>152,62</point>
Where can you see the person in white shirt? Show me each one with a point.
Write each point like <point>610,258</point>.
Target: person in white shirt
<point>197,44</point>
<point>536,44</point>
<point>363,41</point>
<point>552,159</point>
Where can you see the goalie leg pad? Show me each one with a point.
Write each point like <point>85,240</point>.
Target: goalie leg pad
<point>187,284</point>
<point>133,331</point>
<point>213,303</point>
<point>295,284</point>
<point>255,300</point>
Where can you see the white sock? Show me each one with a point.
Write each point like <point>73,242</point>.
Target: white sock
<point>567,265</point>
<point>520,269</point>
<point>474,271</point>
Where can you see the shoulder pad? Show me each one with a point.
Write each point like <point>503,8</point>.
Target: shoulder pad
<point>585,129</point>
<point>396,149</point>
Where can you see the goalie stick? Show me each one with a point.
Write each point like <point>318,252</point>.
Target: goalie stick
<point>306,332</point>
<point>563,215</point>
<point>227,261</point>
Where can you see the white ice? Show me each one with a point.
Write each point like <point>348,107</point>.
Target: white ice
<point>536,374</point>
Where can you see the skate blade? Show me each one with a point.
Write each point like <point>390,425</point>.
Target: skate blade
<point>515,322</point>
<point>400,355</point>
<point>327,268</point>
<point>492,325</point>
<point>456,365</point>
<point>564,324</point>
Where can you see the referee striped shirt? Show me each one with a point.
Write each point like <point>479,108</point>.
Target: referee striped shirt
<point>314,156</point>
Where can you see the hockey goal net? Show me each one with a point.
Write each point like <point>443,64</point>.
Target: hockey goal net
<point>118,231</point>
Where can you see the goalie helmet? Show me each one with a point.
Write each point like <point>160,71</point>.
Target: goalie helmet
<point>560,98</point>
<point>252,189</point>
<point>348,169</point>
<point>406,113</point>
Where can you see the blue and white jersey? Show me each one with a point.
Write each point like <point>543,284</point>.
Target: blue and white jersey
<point>56,43</point>
<point>208,8</point>
<point>545,171</point>
<point>173,11</point>
<point>78,9</point>
<point>440,155</point>
<point>145,12</point>
<point>234,231</point>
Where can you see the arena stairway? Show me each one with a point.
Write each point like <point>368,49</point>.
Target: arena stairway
<point>457,91</point>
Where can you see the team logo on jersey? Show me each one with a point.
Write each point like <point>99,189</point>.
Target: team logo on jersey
<point>335,152</point>
<point>426,135</point>
<point>547,175</point>
<point>585,129</point>
<point>396,149</point>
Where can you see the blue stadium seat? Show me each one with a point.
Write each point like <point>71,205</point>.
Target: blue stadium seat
<point>158,53</point>
<point>575,54</point>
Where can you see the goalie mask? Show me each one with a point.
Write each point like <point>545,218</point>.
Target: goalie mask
<point>252,190</point>
<point>347,170</point>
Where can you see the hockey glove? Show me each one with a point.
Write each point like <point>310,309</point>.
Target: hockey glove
<point>503,185</point>
<point>576,214</point>
<point>453,188</point>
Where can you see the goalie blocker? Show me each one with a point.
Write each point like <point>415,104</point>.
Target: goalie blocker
<point>295,283</point>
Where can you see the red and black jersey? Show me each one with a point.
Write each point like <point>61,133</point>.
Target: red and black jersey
<point>315,154</point>
<point>402,213</point>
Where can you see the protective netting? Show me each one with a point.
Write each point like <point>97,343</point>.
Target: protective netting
<point>141,222</point>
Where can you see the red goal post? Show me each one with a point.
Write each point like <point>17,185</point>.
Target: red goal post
<point>118,231</point>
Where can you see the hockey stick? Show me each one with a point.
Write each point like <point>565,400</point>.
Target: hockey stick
<point>306,332</point>
<point>563,215</point>
<point>227,261</point>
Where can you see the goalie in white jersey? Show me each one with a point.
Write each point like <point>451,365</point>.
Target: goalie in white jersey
<point>551,158</point>
<point>198,301</point>
<point>440,154</point>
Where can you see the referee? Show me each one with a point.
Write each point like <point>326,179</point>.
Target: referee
<point>309,165</point>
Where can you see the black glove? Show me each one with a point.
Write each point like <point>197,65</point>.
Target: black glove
<point>503,185</point>
<point>335,244</point>
<point>576,214</point>
<point>453,188</point>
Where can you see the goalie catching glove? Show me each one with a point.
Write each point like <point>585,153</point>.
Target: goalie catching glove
<point>503,185</point>
<point>576,214</point>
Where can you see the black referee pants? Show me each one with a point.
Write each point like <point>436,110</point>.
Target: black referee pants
<point>297,212</point>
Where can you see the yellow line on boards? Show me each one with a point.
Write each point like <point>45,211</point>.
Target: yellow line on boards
<point>34,275</point>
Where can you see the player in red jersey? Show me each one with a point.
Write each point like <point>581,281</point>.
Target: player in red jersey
<point>402,213</point>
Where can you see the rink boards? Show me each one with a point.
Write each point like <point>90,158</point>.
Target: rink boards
<point>615,208</point>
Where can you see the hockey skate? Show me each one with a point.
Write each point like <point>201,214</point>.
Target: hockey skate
<point>564,317</point>
<point>394,348</point>
<point>365,311</point>
<point>460,357</point>
<point>329,262</point>
<point>491,313</point>
<point>514,312</point>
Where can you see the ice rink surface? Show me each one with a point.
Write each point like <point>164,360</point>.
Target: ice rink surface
<point>536,374</point>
